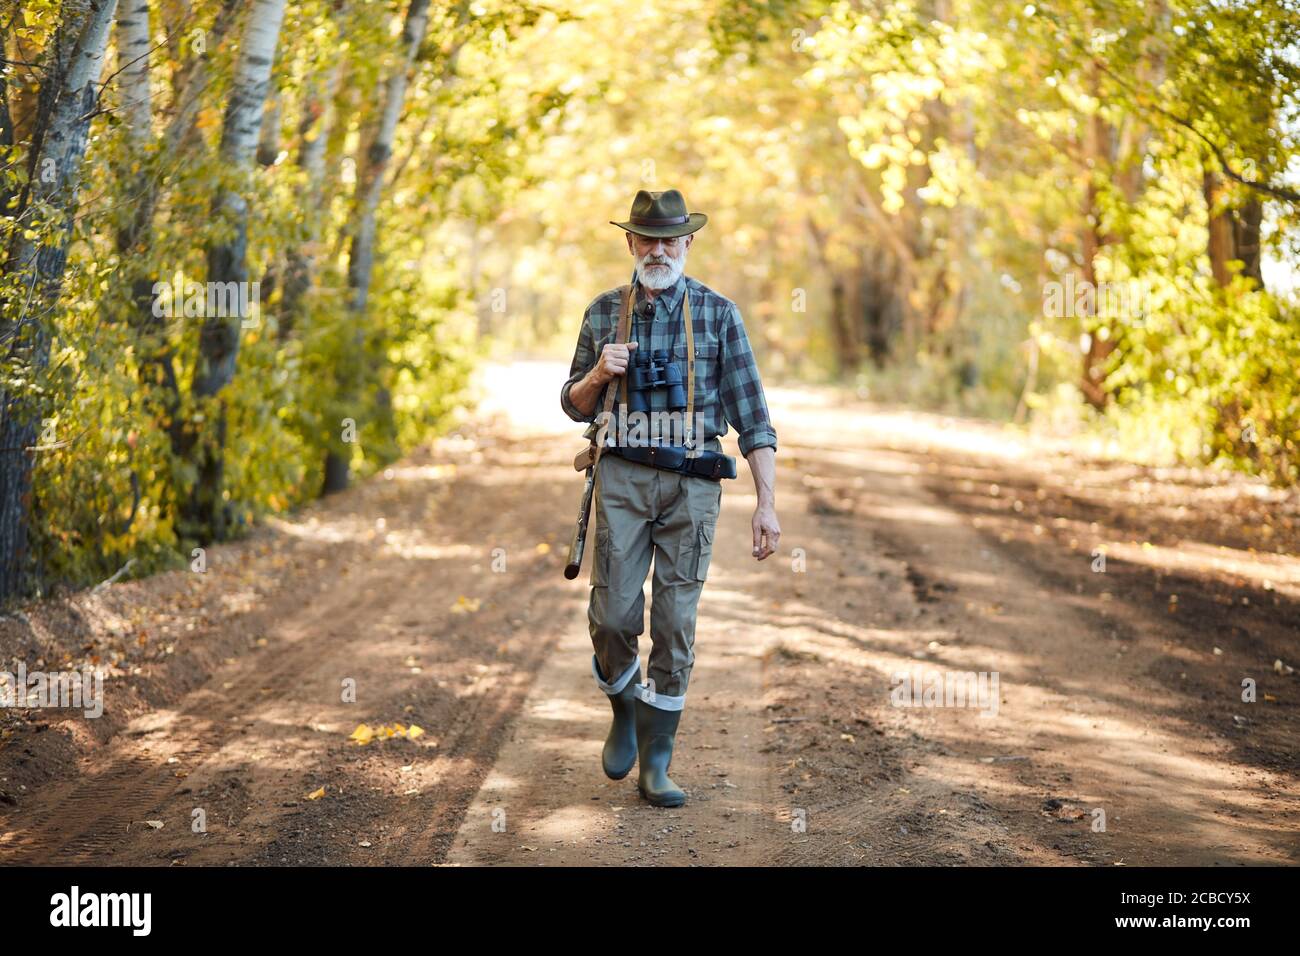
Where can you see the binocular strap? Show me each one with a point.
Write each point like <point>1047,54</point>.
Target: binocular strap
<point>689,429</point>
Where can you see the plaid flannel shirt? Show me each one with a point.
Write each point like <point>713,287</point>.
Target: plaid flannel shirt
<point>728,389</point>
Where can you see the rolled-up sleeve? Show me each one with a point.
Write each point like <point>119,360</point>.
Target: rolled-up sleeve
<point>743,402</point>
<point>584,357</point>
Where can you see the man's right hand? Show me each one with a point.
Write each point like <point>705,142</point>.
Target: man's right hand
<point>613,362</point>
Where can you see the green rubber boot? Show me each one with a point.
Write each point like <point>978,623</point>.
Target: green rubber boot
<point>619,755</point>
<point>656,732</point>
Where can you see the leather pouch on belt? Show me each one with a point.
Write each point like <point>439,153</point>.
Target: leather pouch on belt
<point>657,456</point>
<point>712,464</point>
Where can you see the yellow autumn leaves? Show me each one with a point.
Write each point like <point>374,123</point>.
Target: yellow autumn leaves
<point>364,733</point>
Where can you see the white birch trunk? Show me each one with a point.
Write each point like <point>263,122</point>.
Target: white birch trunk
<point>204,513</point>
<point>313,130</point>
<point>370,183</point>
<point>219,342</point>
<point>133,45</point>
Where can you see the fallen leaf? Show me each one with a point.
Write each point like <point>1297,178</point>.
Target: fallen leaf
<point>316,794</point>
<point>362,735</point>
<point>365,733</point>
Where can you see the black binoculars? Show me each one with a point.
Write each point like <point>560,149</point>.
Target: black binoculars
<point>649,371</point>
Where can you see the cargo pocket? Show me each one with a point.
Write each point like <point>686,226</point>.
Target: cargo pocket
<point>703,551</point>
<point>600,560</point>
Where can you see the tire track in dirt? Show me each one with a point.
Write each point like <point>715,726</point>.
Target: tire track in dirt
<point>1081,724</point>
<point>139,776</point>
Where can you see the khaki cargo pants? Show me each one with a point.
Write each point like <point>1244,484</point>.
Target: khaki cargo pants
<point>643,512</point>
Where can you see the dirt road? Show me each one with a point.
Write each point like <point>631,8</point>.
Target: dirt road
<point>1119,610</point>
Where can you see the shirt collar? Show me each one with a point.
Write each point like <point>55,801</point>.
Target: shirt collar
<point>671,296</point>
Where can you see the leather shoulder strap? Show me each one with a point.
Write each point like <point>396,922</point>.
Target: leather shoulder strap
<point>692,451</point>
<point>620,336</point>
<point>625,335</point>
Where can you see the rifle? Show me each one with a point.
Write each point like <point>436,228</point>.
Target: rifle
<point>589,457</point>
<point>579,542</point>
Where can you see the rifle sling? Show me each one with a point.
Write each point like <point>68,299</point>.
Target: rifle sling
<point>620,336</point>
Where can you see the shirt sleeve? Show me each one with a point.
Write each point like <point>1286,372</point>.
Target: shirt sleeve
<point>743,402</point>
<point>584,357</point>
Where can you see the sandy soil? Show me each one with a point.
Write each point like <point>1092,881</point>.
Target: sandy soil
<point>911,543</point>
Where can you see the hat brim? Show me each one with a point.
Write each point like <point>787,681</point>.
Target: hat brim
<point>695,221</point>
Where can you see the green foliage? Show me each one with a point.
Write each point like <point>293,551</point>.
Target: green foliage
<point>109,478</point>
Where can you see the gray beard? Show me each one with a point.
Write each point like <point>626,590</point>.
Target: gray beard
<point>658,278</point>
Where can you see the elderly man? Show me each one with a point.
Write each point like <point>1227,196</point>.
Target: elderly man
<point>657,492</point>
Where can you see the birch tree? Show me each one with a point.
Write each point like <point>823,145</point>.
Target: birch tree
<point>133,70</point>
<point>370,184</point>
<point>149,161</point>
<point>227,262</point>
<point>37,258</point>
<point>313,131</point>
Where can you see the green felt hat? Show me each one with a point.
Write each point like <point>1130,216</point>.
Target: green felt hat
<point>661,215</point>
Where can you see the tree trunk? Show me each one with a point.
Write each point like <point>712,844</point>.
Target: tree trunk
<point>1219,239</point>
<point>134,238</point>
<point>7,139</point>
<point>1233,234</point>
<point>268,141</point>
<point>137,113</point>
<point>135,241</point>
<point>313,131</point>
<point>1246,238</point>
<point>71,70</point>
<point>841,326</point>
<point>361,251</point>
<point>133,68</point>
<point>1101,339</point>
<point>204,513</point>
<point>879,307</point>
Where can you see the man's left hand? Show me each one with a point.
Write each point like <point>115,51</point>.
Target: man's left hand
<point>767,531</point>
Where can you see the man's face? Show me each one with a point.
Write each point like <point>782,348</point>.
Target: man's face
<point>659,262</point>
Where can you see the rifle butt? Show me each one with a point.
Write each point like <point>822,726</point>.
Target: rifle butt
<point>573,566</point>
